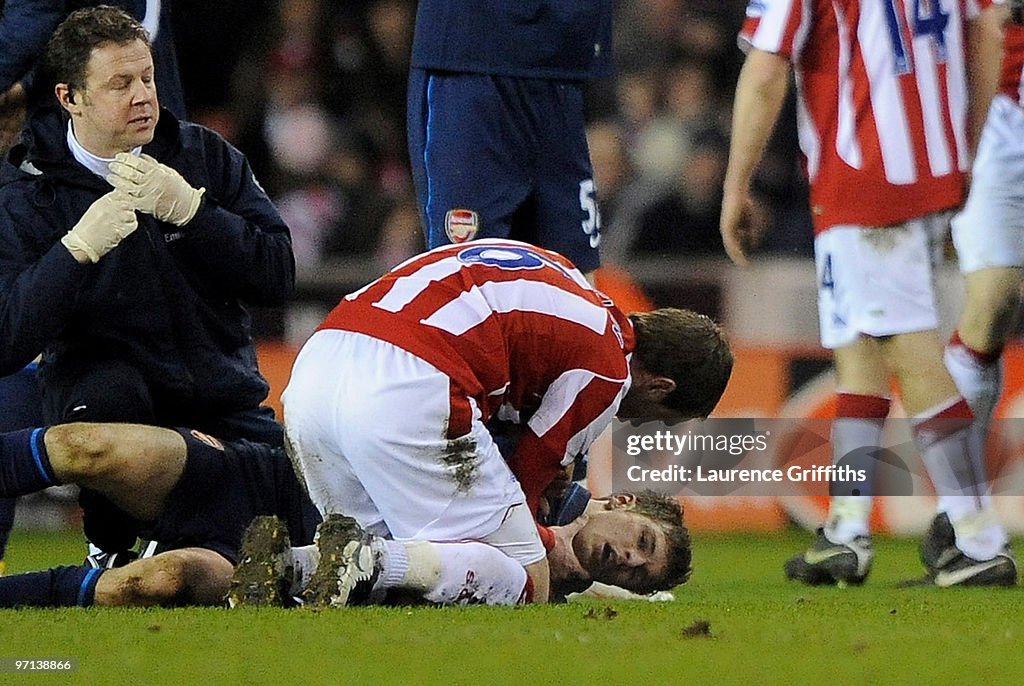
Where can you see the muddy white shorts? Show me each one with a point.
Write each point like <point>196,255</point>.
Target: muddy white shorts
<point>366,424</point>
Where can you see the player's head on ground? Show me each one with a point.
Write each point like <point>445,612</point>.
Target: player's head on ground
<point>100,60</point>
<point>636,541</point>
<point>680,366</point>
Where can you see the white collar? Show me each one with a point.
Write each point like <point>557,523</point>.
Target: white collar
<point>100,166</point>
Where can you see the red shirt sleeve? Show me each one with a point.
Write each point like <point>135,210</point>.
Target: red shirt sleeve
<point>536,466</point>
<point>547,537</point>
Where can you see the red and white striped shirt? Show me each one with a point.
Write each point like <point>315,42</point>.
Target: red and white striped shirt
<point>1012,82</point>
<point>519,330</point>
<point>882,101</point>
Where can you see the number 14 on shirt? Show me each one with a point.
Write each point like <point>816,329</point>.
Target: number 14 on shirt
<point>927,20</point>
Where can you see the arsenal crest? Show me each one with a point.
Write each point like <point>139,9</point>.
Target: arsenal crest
<point>207,439</point>
<point>461,225</point>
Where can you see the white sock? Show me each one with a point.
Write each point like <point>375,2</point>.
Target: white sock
<point>856,436</point>
<point>303,561</point>
<point>848,518</point>
<point>979,534</point>
<point>466,573</point>
<point>980,382</point>
<point>944,438</point>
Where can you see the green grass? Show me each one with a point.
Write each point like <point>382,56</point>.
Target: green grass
<point>762,631</point>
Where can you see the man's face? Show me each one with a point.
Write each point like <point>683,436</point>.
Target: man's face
<point>117,109</point>
<point>622,548</point>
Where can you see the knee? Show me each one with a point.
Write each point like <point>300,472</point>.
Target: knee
<point>986,327</point>
<point>174,578</point>
<point>156,581</point>
<point>993,300</point>
<point>192,576</point>
<point>80,451</point>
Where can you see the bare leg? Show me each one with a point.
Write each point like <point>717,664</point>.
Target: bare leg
<point>861,369</point>
<point>540,575</point>
<point>916,360</point>
<point>993,299</point>
<point>190,576</point>
<point>135,466</point>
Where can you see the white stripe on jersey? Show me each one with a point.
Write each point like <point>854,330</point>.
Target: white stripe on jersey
<point>890,115</point>
<point>476,305</point>
<point>847,145</point>
<point>405,289</point>
<point>1020,89</point>
<point>775,23</point>
<point>808,135</point>
<point>804,28</point>
<point>956,85</point>
<point>561,396</point>
<point>927,71</point>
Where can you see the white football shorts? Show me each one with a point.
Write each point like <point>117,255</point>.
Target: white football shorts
<point>366,426</point>
<point>989,231</point>
<point>878,281</point>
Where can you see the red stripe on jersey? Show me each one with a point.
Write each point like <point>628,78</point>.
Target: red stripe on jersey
<point>750,24</point>
<point>789,33</point>
<point>1011,82</point>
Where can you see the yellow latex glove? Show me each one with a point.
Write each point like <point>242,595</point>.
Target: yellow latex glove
<point>105,224</point>
<point>155,188</point>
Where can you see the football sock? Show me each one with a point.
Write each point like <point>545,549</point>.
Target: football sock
<point>465,573</point>
<point>24,465</point>
<point>944,439</point>
<point>302,561</point>
<point>7,506</point>
<point>856,439</point>
<point>57,587</point>
<point>978,376</point>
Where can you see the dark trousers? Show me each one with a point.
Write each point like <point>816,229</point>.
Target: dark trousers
<point>20,408</point>
<point>114,391</point>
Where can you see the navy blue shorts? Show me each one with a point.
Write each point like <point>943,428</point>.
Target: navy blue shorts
<point>223,487</point>
<point>503,157</point>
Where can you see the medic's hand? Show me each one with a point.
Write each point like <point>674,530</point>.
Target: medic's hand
<point>105,224</point>
<point>155,188</point>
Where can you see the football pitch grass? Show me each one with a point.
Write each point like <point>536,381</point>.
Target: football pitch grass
<point>737,622</point>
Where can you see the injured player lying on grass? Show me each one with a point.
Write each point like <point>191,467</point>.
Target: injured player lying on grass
<point>197,494</point>
<point>626,545</point>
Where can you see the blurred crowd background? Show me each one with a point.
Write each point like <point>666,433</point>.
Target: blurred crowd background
<point>313,91</point>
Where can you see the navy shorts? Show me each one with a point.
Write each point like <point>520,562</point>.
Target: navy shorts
<point>223,487</point>
<point>503,157</point>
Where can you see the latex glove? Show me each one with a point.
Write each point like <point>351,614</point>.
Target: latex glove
<point>155,188</point>
<point>105,224</point>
